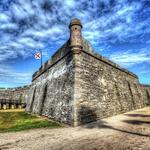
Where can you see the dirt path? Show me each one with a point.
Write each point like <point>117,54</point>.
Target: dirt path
<point>130,131</point>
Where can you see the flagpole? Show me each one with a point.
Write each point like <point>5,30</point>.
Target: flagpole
<point>41,58</point>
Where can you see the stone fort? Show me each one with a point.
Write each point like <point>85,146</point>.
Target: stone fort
<point>78,86</point>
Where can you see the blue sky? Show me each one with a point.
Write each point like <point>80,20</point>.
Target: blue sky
<point>117,29</point>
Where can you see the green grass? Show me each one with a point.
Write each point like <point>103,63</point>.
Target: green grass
<point>17,121</point>
<point>147,104</point>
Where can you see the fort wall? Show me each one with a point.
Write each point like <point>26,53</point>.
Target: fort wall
<point>77,86</point>
<point>52,93</point>
<point>80,88</point>
<point>103,89</point>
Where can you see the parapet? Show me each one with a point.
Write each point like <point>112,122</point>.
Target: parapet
<point>111,63</point>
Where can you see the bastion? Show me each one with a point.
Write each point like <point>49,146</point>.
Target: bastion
<point>77,86</point>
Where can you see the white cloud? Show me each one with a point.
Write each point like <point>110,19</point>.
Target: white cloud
<point>4,18</point>
<point>26,25</point>
<point>8,75</point>
<point>7,26</point>
<point>129,58</point>
<point>42,20</point>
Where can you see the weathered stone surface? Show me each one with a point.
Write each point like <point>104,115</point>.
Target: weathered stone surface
<point>102,90</point>
<point>52,93</point>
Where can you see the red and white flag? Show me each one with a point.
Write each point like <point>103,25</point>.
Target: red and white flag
<point>37,55</point>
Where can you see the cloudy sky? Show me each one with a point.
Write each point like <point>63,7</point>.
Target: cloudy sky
<point>117,29</point>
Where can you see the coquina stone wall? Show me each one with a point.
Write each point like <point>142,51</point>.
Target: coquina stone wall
<point>77,86</point>
<point>103,89</point>
<point>52,93</point>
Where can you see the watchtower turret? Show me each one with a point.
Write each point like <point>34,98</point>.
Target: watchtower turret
<point>75,27</point>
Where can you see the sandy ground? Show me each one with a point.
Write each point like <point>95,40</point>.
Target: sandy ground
<point>130,131</point>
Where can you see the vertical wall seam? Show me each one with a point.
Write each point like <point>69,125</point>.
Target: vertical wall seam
<point>33,98</point>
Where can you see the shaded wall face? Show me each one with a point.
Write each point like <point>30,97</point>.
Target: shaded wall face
<point>102,90</point>
<point>51,94</point>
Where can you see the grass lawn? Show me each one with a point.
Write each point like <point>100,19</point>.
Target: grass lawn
<point>11,120</point>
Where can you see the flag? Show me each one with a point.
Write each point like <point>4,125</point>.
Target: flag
<point>37,55</point>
